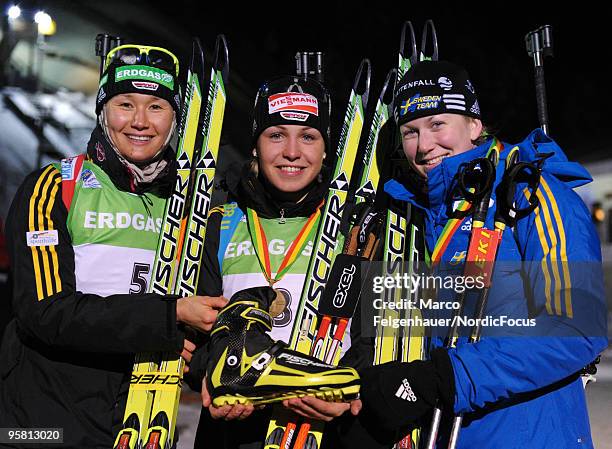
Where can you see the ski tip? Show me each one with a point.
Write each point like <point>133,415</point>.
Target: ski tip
<point>221,61</point>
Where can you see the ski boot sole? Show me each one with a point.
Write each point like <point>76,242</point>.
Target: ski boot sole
<point>328,394</point>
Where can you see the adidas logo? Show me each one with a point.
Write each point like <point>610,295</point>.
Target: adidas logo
<point>405,392</point>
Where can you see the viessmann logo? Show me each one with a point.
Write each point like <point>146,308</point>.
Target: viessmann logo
<point>296,102</point>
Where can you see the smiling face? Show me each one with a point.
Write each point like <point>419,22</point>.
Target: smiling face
<point>428,140</point>
<point>290,156</point>
<point>138,125</point>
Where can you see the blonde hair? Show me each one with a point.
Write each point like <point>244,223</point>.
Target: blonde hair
<point>485,133</point>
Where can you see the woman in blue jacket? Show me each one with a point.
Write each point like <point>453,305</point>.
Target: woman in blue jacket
<point>520,385</point>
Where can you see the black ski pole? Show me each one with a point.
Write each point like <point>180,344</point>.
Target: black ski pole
<point>506,215</point>
<point>539,45</point>
<point>310,63</point>
<point>104,44</point>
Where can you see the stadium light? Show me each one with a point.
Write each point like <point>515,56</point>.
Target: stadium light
<point>46,25</point>
<point>14,12</point>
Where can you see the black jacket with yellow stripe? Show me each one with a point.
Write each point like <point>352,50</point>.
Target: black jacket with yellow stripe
<point>66,355</point>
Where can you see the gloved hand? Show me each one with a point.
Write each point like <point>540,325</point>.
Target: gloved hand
<point>397,394</point>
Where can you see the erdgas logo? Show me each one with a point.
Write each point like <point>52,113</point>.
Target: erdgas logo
<point>121,220</point>
<point>141,72</point>
<point>445,83</point>
<point>344,286</point>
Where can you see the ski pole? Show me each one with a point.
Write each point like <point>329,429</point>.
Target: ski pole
<point>310,63</point>
<point>506,214</point>
<point>408,41</point>
<point>429,29</point>
<point>539,45</point>
<point>476,183</point>
<point>104,44</point>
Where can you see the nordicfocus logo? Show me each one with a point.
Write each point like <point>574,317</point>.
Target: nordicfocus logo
<point>291,101</point>
<point>445,83</point>
<point>405,392</point>
<point>297,360</point>
<point>42,238</point>
<point>145,85</point>
<point>346,280</point>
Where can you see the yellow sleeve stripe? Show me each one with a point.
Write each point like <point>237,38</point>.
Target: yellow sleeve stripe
<point>554,246</point>
<point>46,270</point>
<point>545,250</point>
<point>55,261</point>
<point>563,249</point>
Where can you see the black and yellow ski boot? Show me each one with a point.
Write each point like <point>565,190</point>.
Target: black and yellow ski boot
<point>247,367</point>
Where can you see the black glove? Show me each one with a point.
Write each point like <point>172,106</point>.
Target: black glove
<point>399,393</point>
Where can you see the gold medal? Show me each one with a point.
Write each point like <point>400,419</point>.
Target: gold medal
<point>278,305</point>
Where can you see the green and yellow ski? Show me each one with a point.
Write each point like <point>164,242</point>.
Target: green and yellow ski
<point>327,244</point>
<point>153,398</point>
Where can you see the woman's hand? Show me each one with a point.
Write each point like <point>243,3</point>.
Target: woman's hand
<point>199,312</point>
<point>226,412</point>
<point>187,353</point>
<point>313,408</point>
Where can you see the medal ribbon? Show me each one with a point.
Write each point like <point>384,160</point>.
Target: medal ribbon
<point>454,223</point>
<point>260,242</point>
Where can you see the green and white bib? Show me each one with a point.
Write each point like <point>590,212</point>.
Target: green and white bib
<point>241,269</point>
<point>114,233</point>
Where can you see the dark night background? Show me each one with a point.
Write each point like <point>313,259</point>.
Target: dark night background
<point>486,38</point>
<point>264,38</point>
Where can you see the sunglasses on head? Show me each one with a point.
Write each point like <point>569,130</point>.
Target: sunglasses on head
<point>131,54</point>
